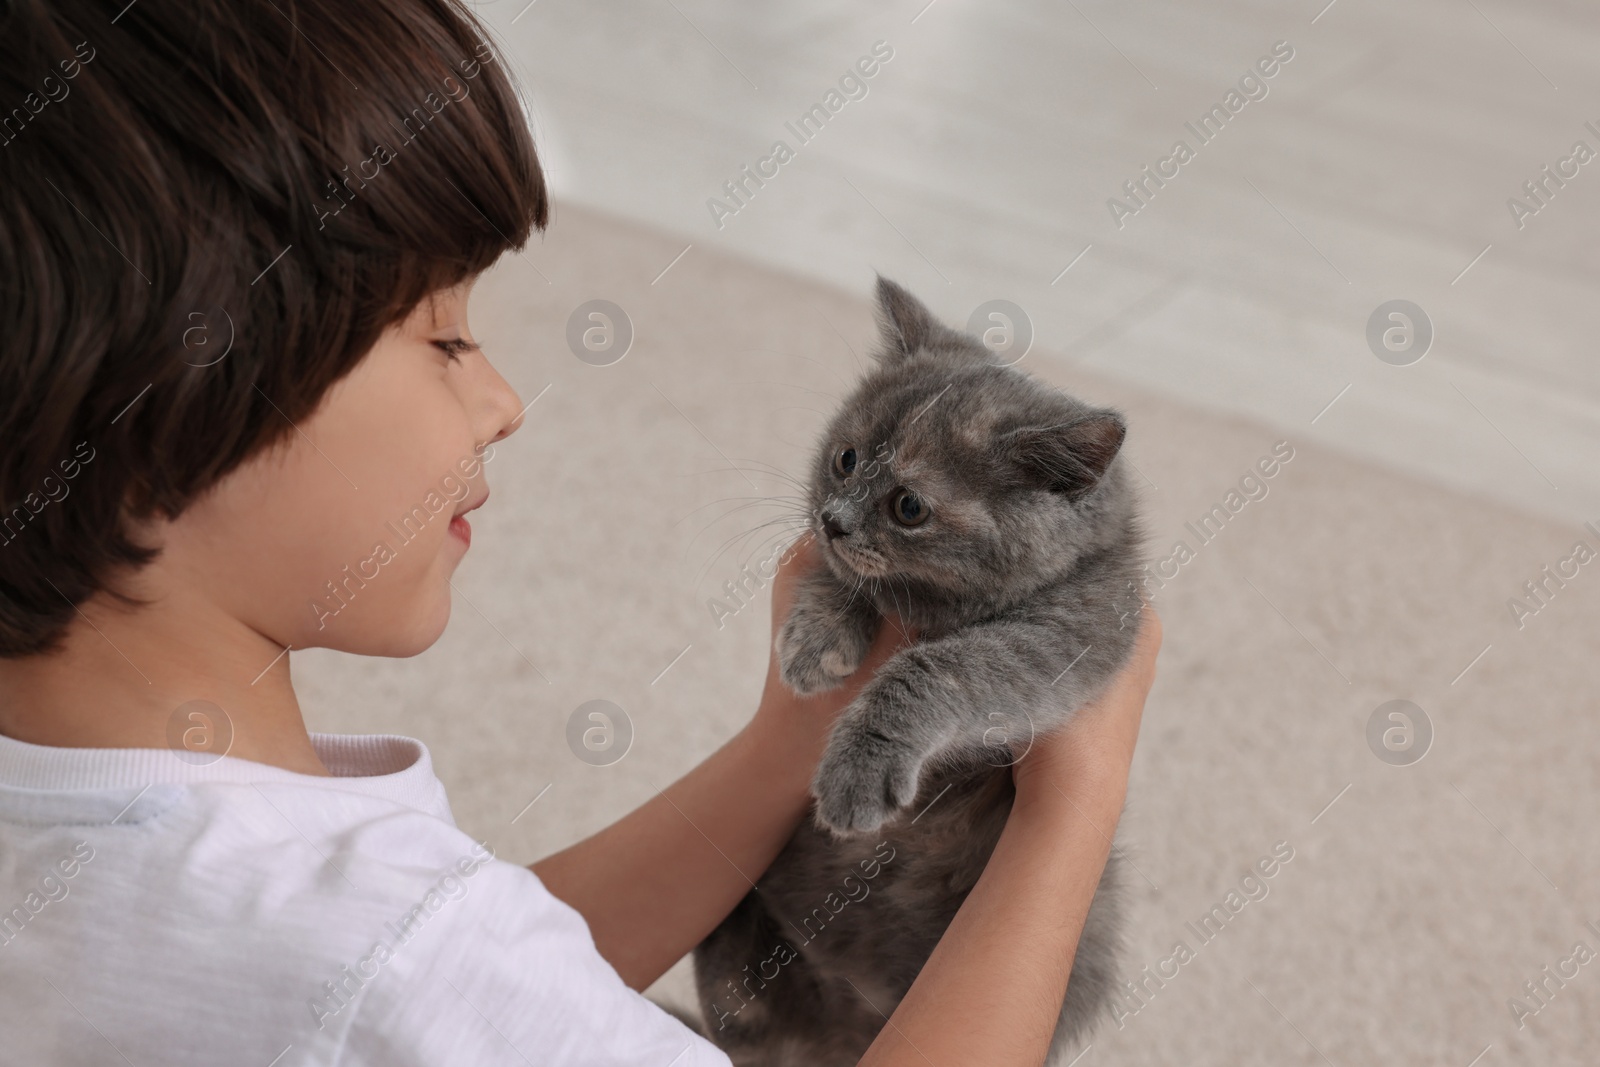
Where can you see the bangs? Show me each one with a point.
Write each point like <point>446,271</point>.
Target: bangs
<point>432,187</point>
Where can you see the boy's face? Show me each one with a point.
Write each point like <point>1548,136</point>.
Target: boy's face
<point>345,535</point>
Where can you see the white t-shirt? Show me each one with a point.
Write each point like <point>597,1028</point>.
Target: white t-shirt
<point>155,910</point>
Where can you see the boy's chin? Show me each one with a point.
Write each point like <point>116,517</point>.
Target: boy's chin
<point>422,635</point>
<point>396,634</point>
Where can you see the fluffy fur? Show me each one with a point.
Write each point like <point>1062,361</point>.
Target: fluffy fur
<point>993,513</point>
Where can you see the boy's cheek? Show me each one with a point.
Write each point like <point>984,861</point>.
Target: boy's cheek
<point>312,562</point>
<point>390,593</point>
<point>372,569</point>
<point>363,517</point>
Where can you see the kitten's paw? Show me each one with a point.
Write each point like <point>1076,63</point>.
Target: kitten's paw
<point>865,777</point>
<point>816,652</point>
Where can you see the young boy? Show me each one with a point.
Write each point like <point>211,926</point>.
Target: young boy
<point>238,242</point>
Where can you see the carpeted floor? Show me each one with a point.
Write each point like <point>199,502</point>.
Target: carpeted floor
<point>1419,898</point>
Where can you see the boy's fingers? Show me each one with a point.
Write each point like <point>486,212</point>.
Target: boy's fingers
<point>892,636</point>
<point>1147,646</point>
<point>1118,711</point>
<point>799,558</point>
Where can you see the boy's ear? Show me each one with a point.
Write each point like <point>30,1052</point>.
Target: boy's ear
<point>1069,457</point>
<point>905,324</point>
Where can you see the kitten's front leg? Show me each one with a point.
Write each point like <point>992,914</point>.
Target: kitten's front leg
<point>827,634</point>
<point>875,754</point>
<point>981,692</point>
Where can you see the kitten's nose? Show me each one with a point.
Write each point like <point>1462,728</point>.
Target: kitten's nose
<point>831,527</point>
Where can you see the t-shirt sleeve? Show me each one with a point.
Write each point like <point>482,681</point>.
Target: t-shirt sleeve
<point>507,974</point>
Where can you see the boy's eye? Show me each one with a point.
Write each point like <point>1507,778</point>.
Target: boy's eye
<point>455,346</point>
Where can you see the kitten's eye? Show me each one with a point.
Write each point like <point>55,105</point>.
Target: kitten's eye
<point>845,461</point>
<point>908,509</point>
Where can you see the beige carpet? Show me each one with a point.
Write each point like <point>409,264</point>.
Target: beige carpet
<point>1414,907</point>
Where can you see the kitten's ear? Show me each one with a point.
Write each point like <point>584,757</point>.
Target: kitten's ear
<point>1070,457</point>
<point>904,324</point>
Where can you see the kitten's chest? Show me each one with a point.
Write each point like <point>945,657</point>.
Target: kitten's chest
<point>933,614</point>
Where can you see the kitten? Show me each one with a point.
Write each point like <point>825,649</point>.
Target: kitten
<point>990,511</point>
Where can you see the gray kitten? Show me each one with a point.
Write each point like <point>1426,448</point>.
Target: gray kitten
<point>990,511</point>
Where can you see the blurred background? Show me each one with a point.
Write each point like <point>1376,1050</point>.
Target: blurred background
<point>1381,253</point>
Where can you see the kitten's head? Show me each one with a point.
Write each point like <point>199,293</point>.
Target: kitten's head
<point>946,469</point>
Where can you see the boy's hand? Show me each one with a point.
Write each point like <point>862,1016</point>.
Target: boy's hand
<point>810,719</point>
<point>1096,747</point>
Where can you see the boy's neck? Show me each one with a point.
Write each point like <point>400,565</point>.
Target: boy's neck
<point>159,677</point>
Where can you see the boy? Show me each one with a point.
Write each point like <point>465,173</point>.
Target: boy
<point>238,243</point>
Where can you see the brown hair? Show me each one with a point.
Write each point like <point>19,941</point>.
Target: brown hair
<point>211,213</point>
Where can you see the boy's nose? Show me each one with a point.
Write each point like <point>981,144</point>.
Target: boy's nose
<point>506,408</point>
